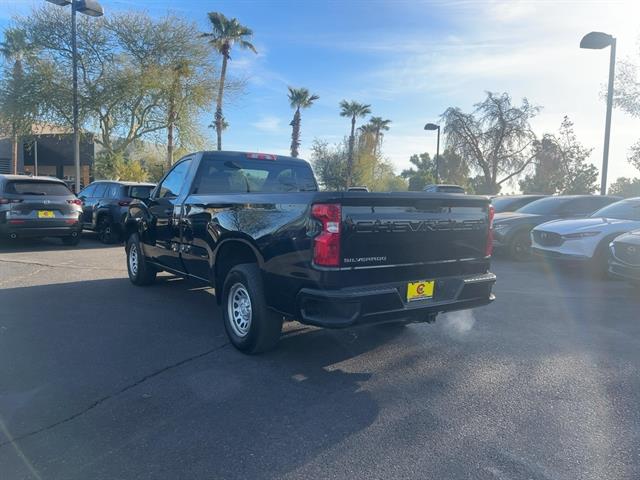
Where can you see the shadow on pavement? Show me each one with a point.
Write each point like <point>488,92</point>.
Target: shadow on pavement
<point>147,375</point>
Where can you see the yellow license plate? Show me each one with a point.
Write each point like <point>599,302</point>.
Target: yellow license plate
<point>420,290</point>
<point>46,214</point>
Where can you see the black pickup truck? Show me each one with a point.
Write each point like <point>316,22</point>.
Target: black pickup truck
<point>256,228</point>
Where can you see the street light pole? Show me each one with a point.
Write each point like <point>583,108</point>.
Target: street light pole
<point>597,41</point>
<point>607,126</point>
<point>76,135</point>
<point>93,9</point>
<point>433,126</point>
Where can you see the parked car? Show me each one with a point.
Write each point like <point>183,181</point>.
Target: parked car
<point>512,229</point>
<point>38,207</point>
<point>624,258</point>
<point>256,228</point>
<point>587,239</point>
<point>105,204</point>
<point>511,203</point>
<point>444,188</point>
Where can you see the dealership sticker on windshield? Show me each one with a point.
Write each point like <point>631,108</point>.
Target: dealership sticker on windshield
<point>420,290</point>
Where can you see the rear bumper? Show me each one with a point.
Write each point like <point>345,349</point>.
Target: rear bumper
<point>625,271</point>
<point>382,303</point>
<point>31,229</point>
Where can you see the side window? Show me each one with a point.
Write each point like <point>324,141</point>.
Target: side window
<point>172,183</point>
<point>88,192</point>
<point>100,190</point>
<point>112,190</point>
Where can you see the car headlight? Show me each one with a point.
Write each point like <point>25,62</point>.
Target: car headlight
<point>573,236</point>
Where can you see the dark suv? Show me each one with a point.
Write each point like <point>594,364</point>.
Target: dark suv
<point>105,204</point>
<point>38,207</point>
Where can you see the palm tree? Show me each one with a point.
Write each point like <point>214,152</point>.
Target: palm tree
<point>181,69</point>
<point>353,110</point>
<point>379,125</point>
<point>366,139</point>
<point>298,98</point>
<point>227,32</point>
<point>14,49</point>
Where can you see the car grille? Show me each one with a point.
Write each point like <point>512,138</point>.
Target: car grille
<point>547,239</point>
<point>627,253</point>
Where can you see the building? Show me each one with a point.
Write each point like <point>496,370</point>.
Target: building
<point>50,153</point>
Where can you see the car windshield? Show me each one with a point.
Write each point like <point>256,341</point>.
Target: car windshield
<point>624,210</point>
<point>37,187</point>
<point>544,206</point>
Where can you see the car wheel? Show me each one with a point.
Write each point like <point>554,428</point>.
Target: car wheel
<point>520,247</point>
<point>139,270</point>
<point>251,326</point>
<point>106,230</point>
<point>600,261</point>
<point>71,240</point>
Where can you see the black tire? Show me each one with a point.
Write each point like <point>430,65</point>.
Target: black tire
<point>599,265</point>
<point>107,231</point>
<point>139,270</point>
<point>71,240</point>
<point>520,247</point>
<point>261,330</point>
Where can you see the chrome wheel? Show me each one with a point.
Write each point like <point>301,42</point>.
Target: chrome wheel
<point>133,259</point>
<point>239,310</point>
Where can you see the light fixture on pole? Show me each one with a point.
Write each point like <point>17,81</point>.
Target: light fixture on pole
<point>93,9</point>
<point>598,41</point>
<point>433,126</point>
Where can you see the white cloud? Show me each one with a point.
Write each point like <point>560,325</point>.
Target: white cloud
<point>269,124</point>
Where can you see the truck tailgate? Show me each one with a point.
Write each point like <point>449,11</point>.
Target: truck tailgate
<point>412,228</point>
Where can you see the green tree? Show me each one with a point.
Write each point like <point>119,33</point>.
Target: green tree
<point>625,187</point>
<point>422,173</point>
<point>299,98</point>
<point>17,107</point>
<point>329,164</point>
<point>352,110</point>
<point>379,126</point>
<point>495,139</point>
<point>129,87</point>
<point>451,169</point>
<point>226,32</point>
<point>561,165</point>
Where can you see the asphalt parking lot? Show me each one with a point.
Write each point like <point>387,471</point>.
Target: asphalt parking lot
<point>103,380</point>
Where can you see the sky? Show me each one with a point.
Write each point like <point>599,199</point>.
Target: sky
<point>410,60</point>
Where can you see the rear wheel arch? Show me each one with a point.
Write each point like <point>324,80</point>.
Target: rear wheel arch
<point>229,254</point>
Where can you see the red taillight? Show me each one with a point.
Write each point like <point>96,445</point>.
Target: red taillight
<point>75,201</point>
<point>5,201</point>
<point>17,222</point>
<point>489,249</point>
<point>326,247</point>
<point>261,156</point>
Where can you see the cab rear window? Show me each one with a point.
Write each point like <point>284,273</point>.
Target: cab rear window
<point>35,187</point>
<point>264,176</point>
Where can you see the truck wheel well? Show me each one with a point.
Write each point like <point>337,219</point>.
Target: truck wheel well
<point>231,254</point>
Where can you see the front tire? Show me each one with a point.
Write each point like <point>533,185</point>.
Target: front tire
<point>251,326</point>
<point>520,247</point>
<point>139,270</point>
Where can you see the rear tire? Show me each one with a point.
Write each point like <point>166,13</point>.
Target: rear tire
<point>106,231</point>
<point>520,247</point>
<point>252,327</point>
<point>139,270</point>
<point>71,241</point>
